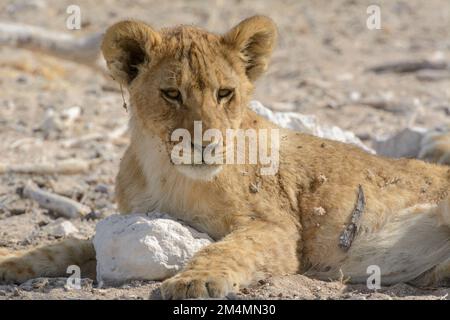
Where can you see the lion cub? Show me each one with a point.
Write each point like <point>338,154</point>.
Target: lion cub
<point>325,210</point>
<point>286,222</point>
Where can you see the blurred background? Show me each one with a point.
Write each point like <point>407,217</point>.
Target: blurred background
<point>327,63</point>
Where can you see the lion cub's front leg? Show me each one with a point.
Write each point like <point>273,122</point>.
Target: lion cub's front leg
<point>222,267</point>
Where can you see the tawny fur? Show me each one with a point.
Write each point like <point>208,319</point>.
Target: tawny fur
<point>292,222</point>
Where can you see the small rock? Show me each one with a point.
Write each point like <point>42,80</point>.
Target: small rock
<point>16,292</point>
<point>70,115</point>
<point>42,223</point>
<point>355,95</point>
<point>307,124</point>
<point>102,188</point>
<point>103,203</point>
<point>40,283</point>
<point>245,291</point>
<point>68,187</point>
<point>94,215</point>
<point>51,124</point>
<point>17,211</point>
<point>262,282</point>
<point>405,144</point>
<point>22,79</point>
<point>143,247</point>
<point>34,284</point>
<point>60,228</point>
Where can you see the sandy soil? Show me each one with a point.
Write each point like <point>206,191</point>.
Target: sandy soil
<point>319,67</point>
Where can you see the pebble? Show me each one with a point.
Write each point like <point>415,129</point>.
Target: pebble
<point>102,188</point>
<point>17,211</point>
<point>245,291</point>
<point>60,228</point>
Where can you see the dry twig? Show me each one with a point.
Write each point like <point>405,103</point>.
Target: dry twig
<point>70,166</point>
<point>409,66</point>
<point>60,205</point>
<point>84,50</point>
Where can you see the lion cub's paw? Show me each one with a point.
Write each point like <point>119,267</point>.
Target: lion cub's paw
<point>197,284</point>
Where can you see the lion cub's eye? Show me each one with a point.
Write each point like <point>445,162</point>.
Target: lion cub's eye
<point>172,94</point>
<point>224,93</point>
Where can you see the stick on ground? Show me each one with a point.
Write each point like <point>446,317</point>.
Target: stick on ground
<point>61,206</point>
<point>409,66</point>
<point>84,50</point>
<point>71,166</point>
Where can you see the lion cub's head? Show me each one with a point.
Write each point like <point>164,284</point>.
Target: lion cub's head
<point>178,76</point>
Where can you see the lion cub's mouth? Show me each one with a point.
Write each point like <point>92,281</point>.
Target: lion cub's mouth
<point>204,172</point>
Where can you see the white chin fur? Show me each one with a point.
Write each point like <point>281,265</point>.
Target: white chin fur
<point>199,172</point>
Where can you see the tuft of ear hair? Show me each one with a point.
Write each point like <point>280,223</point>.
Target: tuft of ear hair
<point>254,39</point>
<point>126,45</point>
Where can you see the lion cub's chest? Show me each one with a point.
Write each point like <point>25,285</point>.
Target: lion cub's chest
<point>170,192</point>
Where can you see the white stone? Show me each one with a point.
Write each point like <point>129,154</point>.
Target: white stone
<point>54,122</point>
<point>406,143</point>
<point>145,247</point>
<point>307,124</point>
<point>70,115</point>
<point>51,123</point>
<point>60,228</point>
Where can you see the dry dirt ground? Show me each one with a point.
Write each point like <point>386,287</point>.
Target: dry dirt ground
<point>319,67</point>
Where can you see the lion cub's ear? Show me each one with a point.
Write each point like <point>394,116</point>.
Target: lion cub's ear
<point>254,39</point>
<point>125,46</point>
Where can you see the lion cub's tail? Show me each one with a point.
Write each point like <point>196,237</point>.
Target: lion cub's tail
<point>47,261</point>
